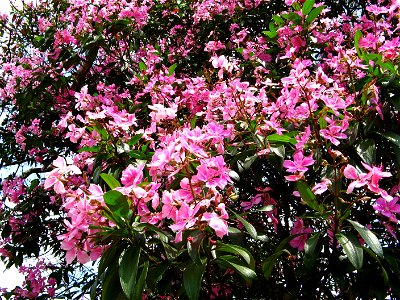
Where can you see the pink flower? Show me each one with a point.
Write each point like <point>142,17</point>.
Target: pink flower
<point>217,222</point>
<point>370,179</point>
<point>375,174</point>
<point>387,208</point>
<point>321,187</point>
<point>299,163</point>
<point>334,132</point>
<point>59,175</point>
<point>213,172</point>
<point>219,225</point>
<point>301,233</point>
<point>132,175</point>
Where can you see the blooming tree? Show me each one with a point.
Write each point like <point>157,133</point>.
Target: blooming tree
<point>201,149</point>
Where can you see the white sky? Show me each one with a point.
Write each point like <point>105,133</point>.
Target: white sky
<point>4,6</point>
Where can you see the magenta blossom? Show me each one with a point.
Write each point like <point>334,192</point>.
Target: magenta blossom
<point>387,208</point>
<point>370,179</point>
<point>301,235</point>
<point>298,165</point>
<point>59,175</point>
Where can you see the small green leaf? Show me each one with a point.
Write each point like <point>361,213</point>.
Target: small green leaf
<point>367,151</point>
<point>111,287</point>
<point>192,277</point>
<point>117,203</point>
<point>281,138</point>
<point>314,13</point>
<point>352,248</point>
<point>250,228</point>
<point>369,237</point>
<point>92,149</point>
<point>357,37</point>
<point>171,69</point>
<point>269,264</point>
<point>193,245</point>
<point>295,18</point>
<point>110,180</point>
<point>296,6</point>
<point>128,268</point>
<point>103,133</point>
<point>135,139</point>
<point>239,50</point>
<point>232,262</point>
<point>234,249</point>
<point>278,20</point>
<point>310,253</point>
<point>270,34</point>
<point>307,195</point>
<point>391,137</point>
<point>272,27</point>
<point>307,7</point>
<point>138,291</point>
<point>280,150</point>
<point>142,66</point>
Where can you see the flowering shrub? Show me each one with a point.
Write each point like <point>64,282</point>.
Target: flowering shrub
<point>202,149</point>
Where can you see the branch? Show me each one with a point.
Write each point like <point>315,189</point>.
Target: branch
<point>35,171</point>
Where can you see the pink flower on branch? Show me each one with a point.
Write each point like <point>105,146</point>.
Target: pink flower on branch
<point>213,172</point>
<point>301,235</point>
<point>370,179</point>
<point>388,208</point>
<point>59,175</point>
<point>298,165</point>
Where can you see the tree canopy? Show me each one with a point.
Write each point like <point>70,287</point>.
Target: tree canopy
<point>203,149</point>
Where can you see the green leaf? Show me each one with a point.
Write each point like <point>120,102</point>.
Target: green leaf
<point>278,20</point>
<point>272,27</point>
<point>142,66</point>
<point>369,237</point>
<point>138,291</point>
<point>314,13</point>
<point>269,264</point>
<point>357,37</point>
<point>135,139</point>
<point>250,228</point>
<point>270,34</point>
<point>310,250</point>
<point>92,149</point>
<point>117,203</point>
<point>171,69</point>
<point>281,138</point>
<point>232,262</point>
<point>128,268</point>
<point>295,18</point>
<point>266,208</point>
<point>307,195</point>
<point>108,258</point>
<point>391,137</point>
<point>100,130</point>
<point>367,151</point>
<point>192,277</point>
<point>111,287</point>
<point>110,180</point>
<point>280,151</point>
<point>307,7</point>
<point>352,248</point>
<point>170,251</point>
<point>193,245</point>
<point>234,249</point>
<point>296,6</point>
